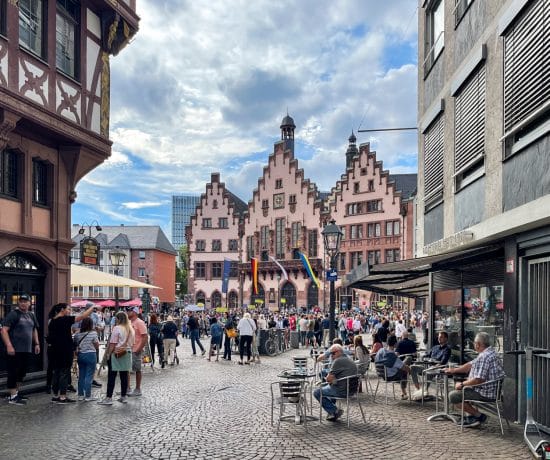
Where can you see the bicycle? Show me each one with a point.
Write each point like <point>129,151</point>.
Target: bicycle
<point>274,343</point>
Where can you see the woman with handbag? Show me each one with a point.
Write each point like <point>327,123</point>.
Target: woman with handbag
<point>119,358</point>
<point>86,342</point>
<point>229,333</point>
<point>247,328</point>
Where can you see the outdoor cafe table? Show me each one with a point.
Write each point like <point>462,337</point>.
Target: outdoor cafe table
<point>445,415</point>
<point>300,373</point>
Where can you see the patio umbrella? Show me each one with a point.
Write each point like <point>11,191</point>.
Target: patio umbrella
<point>82,276</point>
<point>106,303</point>
<point>79,303</point>
<point>193,308</point>
<point>131,303</point>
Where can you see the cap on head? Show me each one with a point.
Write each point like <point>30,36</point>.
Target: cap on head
<point>25,297</point>
<point>134,309</point>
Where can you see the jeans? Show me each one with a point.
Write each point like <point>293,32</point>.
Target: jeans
<point>86,369</point>
<point>328,403</point>
<point>194,334</point>
<point>227,348</point>
<point>153,341</point>
<point>111,379</point>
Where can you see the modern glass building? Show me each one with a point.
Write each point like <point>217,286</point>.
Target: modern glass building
<point>183,207</point>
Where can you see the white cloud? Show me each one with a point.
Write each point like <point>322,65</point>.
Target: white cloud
<point>141,204</point>
<point>204,89</point>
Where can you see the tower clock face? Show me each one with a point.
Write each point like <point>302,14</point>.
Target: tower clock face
<point>278,200</point>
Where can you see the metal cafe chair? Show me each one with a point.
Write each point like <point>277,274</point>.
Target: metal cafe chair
<point>352,392</point>
<point>291,393</point>
<point>492,406</point>
<point>381,373</point>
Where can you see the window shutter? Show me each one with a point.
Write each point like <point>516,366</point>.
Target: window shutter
<point>470,121</point>
<point>433,156</point>
<point>527,63</point>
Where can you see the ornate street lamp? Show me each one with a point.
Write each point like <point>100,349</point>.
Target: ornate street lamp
<point>332,235</point>
<point>117,258</point>
<point>146,299</point>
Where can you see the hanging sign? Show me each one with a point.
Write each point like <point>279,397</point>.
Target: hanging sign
<point>89,251</point>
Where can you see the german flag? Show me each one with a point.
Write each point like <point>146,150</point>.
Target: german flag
<point>254,269</point>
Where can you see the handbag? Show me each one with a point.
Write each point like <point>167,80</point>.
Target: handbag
<point>231,333</point>
<point>76,348</point>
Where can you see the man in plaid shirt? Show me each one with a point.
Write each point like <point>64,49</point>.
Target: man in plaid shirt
<point>485,368</point>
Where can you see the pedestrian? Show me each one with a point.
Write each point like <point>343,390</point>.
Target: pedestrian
<point>194,333</point>
<point>216,333</point>
<point>140,340</point>
<point>86,343</point>
<point>256,342</point>
<point>119,358</point>
<point>62,352</point>
<point>155,339</point>
<point>20,336</point>
<point>246,328</point>
<point>229,333</point>
<point>169,337</point>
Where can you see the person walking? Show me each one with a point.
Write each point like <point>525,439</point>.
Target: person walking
<point>155,339</point>
<point>194,333</point>
<point>119,360</point>
<point>216,334</point>
<point>246,328</point>
<point>20,336</point>
<point>86,343</point>
<point>229,333</point>
<point>169,333</point>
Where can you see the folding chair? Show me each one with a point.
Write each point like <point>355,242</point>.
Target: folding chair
<point>352,391</point>
<point>382,374</point>
<point>289,393</point>
<point>491,406</point>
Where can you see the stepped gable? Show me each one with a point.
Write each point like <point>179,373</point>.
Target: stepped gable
<point>235,206</point>
<point>365,166</point>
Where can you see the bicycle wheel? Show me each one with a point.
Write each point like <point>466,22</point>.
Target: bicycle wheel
<point>270,347</point>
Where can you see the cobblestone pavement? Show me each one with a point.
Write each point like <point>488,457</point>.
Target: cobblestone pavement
<point>219,410</point>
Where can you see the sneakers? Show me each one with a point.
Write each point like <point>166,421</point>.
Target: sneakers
<point>135,392</point>
<point>96,384</point>
<point>106,402</point>
<point>123,399</point>
<point>471,422</point>
<point>81,398</point>
<point>335,416</point>
<point>90,398</point>
<point>71,389</point>
<point>482,418</point>
<point>65,401</point>
<point>17,400</point>
<point>203,352</point>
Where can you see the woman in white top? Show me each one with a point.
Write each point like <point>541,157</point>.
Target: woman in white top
<point>246,328</point>
<point>120,357</point>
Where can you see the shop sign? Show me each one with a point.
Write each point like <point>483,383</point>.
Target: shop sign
<point>451,242</point>
<point>89,251</point>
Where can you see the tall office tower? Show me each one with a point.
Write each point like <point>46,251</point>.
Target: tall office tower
<point>183,207</point>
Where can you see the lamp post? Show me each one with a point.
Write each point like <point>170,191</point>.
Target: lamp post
<point>82,230</point>
<point>117,258</point>
<point>146,299</point>
<point>332,235</point>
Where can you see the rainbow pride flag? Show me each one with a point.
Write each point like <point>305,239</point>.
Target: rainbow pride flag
<point>309,271</point>
<point>254,270</point>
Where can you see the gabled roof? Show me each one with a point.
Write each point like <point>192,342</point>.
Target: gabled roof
<point>404,183</point>
<point>129,236</point>
<point>239,205</point>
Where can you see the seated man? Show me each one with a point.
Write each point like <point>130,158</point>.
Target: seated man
<point>486,367</point>
<point>396,370</point>
<point>326,357</point>
<point>406,347</point>
<point>341,367</point>
<point>440,354</point>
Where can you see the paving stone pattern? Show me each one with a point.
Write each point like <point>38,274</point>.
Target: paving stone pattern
<point>220,410</point>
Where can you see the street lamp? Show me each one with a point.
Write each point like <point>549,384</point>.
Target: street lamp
<point>332,235</point>
<point>117,258</point>
<point>85,224</point>
<point>146,299</point>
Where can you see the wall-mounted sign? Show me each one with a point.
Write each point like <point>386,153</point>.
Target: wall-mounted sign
<point>451,242</point>
<point>509,265</point>
<point>89,251</point>
<point>332,275</point>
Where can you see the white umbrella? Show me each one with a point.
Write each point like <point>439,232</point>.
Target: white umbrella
<point>83,276</point>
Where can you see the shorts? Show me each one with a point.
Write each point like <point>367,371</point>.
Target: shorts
<point>136,361</point>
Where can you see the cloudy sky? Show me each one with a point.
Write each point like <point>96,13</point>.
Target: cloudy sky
<point>204,86</point>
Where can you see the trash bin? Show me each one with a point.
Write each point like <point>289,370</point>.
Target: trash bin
<point>294,339</point>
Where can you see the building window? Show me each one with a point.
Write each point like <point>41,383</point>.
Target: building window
<point>470,129</point>
<point>374,205</point>
<point>292,199</point>
<point>66,36</point>
<point>142,255</point>
<point>356,187</point>
<point>279,183</point>
<point>312,243</point>
<point>526,82</point>
<point>233,245</point>
<point>9,174</point>
<point>461,6</point>
<point>250,247</point>
<point>433,162</point>
<point>234,269</point>
<point>279,238</point>
<point>141,272</point>
<point>343,261</point>
<point>373,230</point>
<point>355,208</point>
<point>200,245</point>
<point>216,269</point>
<point>222,222</point>
<point>374,257</point>
<point>40,182</point>
<point>216,245</point>
<point>264,237</point>
<point>355,259</point>
<point>207,222</point>
<point>371,185</point>
<point>200,270</point>
<point>214,204</point>
<point>265,204</point>
<point>295,234</point>
<point>356,231</point>
<point>435,33</point>
<point>31,25</point>
<point>3,21</point>
<point>392,255</point>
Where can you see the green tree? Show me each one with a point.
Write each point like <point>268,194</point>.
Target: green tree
<point>181,271</point>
